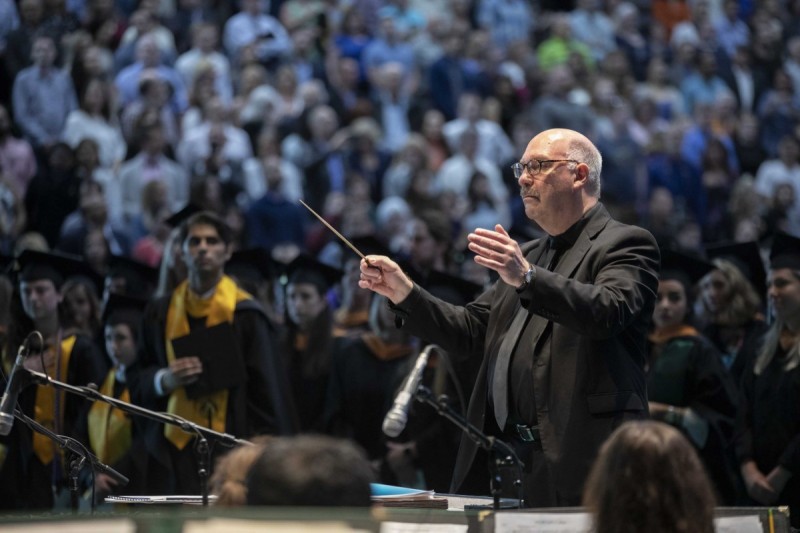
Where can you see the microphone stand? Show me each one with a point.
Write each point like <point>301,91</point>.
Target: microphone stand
<point>80,457</point>
<point>500,453</point>
<point>203,433</point>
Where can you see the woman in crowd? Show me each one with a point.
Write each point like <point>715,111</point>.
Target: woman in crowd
<point>729,307</point>
<point>687,385</point>
<point>768,420</point>
<point>308,338</point>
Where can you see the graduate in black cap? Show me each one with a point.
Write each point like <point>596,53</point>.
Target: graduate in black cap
<point>173,270</point>
<point>129,277</point>
<point>34,468</point>
<point>730,309</point>
<point>254,270</point>
<point>687,385</point>
<point>768,420</point>
<point>115,437</point>
<point>308,337</point>
<point>206,354</point>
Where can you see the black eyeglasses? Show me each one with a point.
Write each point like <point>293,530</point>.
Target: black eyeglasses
<point>534,166</point>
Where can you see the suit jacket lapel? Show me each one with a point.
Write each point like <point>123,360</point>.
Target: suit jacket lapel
<point>569,262</point>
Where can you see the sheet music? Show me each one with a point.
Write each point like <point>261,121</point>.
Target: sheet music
<point>405,527</point>
<point>738,524</point>
<point>542,522</point>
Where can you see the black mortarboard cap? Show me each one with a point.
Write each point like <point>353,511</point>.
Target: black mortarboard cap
<point>33,265</point>
<point>452,289</point>
<point>785,252</point>
<point>368,245</point>
<point>120,308</point>
<point>252,265</point>
<point>746,256</point>
<point>306,269</point>
<point>179,217</point>
<point>139,277</point>
<point>6,263</point>
<point>687,269</point>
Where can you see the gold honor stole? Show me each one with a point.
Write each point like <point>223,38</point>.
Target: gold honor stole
<point>45,407</point>
<point>211,408</point>
<point>110,432</point>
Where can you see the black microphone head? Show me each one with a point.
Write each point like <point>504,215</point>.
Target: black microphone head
<point>34,342</point>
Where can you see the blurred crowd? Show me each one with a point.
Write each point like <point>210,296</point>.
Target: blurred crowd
<point>116,114</point>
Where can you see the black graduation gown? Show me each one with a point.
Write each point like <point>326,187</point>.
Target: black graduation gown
<point>768,425</point>
<point>688,372</point>
<point>26,483</point>
<point>258,406</point>
<point>361,390</point>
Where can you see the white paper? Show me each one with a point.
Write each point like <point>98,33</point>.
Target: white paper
<point>232,525</point>
<point>542,522</point>
<point>95,526</point>
<point>403,527</point>
<point>738,524</point>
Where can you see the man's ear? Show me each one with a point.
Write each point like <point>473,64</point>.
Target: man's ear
<point>581,175</point>
<point>228,252</point>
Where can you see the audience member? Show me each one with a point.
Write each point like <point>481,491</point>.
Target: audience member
<point>310,471</point>
<point>648,477</point>
<point>229,481</point>
<point>43,96</point>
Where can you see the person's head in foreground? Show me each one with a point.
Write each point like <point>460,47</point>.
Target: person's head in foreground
<point>648,477</point>
<point>229,480</point>
<point>312,471</point>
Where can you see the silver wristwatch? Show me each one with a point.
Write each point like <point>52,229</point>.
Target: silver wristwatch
<point>527,279</point>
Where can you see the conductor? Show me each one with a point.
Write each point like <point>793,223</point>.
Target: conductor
<point>561,334</point>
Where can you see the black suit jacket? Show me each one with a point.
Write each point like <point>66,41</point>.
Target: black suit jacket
<point>586,338</point>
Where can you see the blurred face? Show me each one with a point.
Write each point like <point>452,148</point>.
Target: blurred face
<point>43,52</point>
<point>304,303</point>
<point>323,123</point>
<point>78,306</point>
<point>714,290</point>
<point>40,298</point>
<point>95,97</point>
<point>432,125</point>
<point>671,304</point>
<point>120,344</point>
<point>86,154</point>
<point>204,251</point>
<point>207,39</point>
<point>784,294</point>
<point>424,248</point>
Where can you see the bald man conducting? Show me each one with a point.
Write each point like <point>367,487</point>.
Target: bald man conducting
<point>561,335</point>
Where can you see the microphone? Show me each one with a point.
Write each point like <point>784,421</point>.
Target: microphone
<point>395,421</point>
<point>14,385</point>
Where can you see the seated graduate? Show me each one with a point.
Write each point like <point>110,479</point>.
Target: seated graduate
<point>687,385</point>
<point>116,438</point>
<point>648,477</point>
<point>310,471</point>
